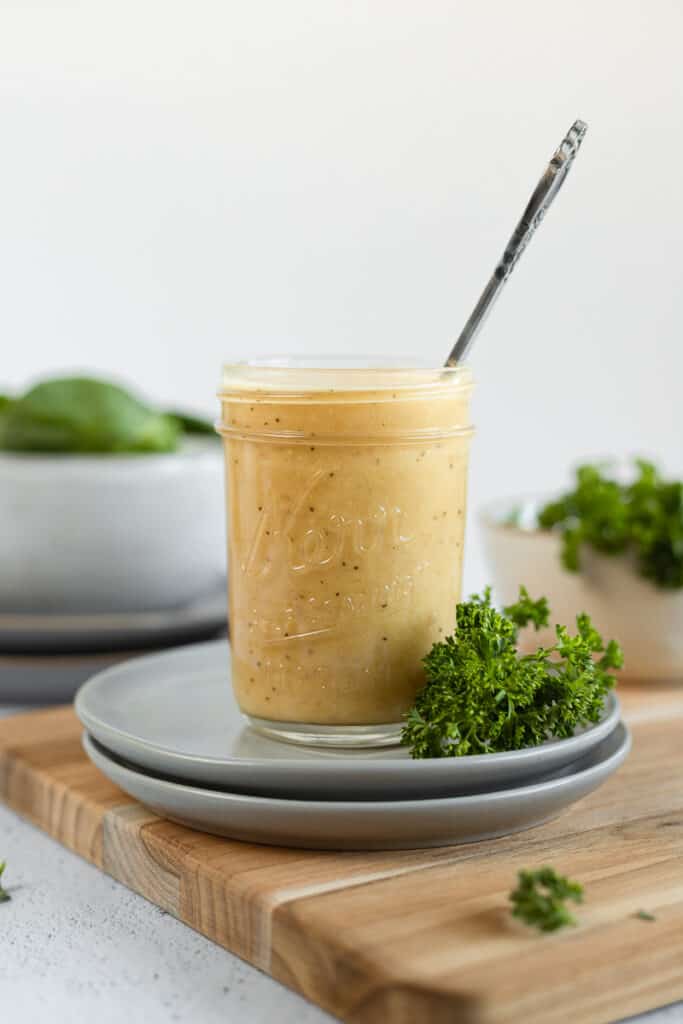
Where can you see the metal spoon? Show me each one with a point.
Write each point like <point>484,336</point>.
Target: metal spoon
<point>543,195</point>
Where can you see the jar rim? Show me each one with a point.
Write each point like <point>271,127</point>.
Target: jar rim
<point>306,374</point>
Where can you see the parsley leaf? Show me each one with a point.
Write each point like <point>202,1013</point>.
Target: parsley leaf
<point>645,915</point>
<point>644,517</point>
<point>4,895</point>
<point>482,696</point>
<point>526,611</point>
<point>541,896</point>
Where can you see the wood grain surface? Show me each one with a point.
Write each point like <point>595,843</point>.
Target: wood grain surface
<point>420,937</point>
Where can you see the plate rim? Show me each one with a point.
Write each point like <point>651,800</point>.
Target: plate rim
<point>60,623</point>
<point>527,754</point>
<point>613,761</point>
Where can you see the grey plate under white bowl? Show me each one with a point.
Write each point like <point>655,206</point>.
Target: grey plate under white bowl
<point>109,631</point>
<point>49,678</point>
<point>174,714</point>
<point>366,825</point>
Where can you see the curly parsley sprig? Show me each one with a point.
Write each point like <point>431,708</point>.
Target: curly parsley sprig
<point>540,899</point>
<point>644,517</point>
<point>481,696</point>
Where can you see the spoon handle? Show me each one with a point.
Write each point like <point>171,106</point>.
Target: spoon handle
<point>543,195</point>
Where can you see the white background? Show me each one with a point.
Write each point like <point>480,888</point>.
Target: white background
<point>184,183</point>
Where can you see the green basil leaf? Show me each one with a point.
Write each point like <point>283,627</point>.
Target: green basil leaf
<point>79,414</point>
<point>190,424</point>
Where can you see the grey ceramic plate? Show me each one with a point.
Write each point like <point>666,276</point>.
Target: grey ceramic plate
<point>49,678</point>
<point>76,633</point>
<point>366,825</point>
<point>174,714</point>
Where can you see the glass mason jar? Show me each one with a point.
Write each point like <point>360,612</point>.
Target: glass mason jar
<point>346,490</point>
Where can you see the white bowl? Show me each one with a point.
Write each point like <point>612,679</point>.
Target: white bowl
<point>105,533</point>
<point>646,620</point>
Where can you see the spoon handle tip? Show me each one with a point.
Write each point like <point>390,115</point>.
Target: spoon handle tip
<point>535,211</point>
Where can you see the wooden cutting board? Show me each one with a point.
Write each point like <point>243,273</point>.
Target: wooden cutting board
<point>410,937</point>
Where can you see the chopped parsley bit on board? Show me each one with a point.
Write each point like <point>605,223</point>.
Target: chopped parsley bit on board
<point>481,696</point>
<point>4,895</point>
<point>540,899</point>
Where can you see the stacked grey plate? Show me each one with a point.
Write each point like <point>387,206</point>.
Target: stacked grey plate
<point>166,729</point>
<point>44,657</point>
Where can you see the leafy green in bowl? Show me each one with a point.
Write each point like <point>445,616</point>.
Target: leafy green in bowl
<point>643,518</point>
<point>86,415</point>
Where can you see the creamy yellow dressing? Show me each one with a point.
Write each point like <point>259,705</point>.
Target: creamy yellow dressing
<point>346,528</point>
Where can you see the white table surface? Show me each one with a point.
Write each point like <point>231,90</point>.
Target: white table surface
<point>76,946</point>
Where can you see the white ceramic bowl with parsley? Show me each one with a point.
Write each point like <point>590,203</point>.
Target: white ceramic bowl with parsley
<point>130,517</point>
<point>633,593</point>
